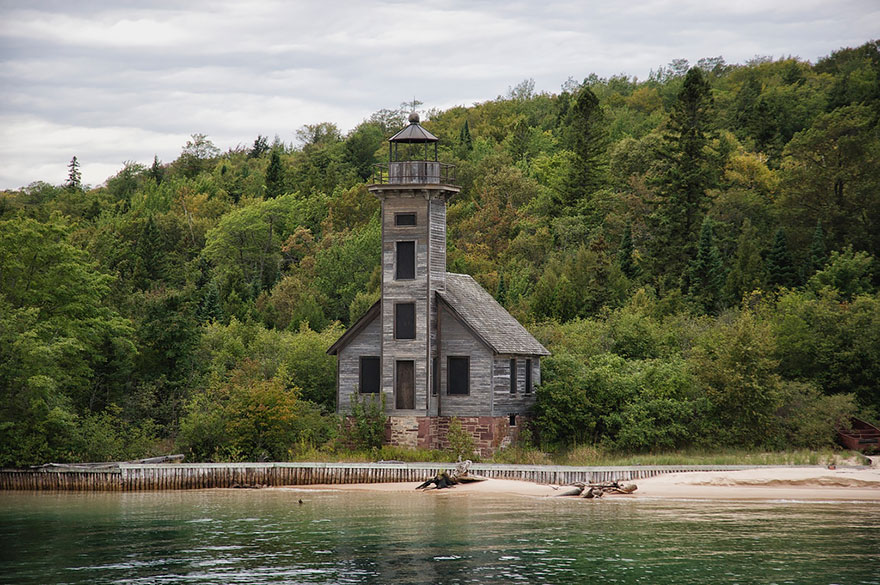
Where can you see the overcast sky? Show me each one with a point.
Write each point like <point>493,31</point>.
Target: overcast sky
<point>119,80</point>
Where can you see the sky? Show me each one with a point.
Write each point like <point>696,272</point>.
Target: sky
<point>116,81</point>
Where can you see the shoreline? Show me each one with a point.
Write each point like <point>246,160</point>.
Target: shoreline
<point>818,484</point>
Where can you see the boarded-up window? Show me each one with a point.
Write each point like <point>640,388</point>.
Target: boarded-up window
<point>435,376</point>
<point>513,376</point>
<point>405,219</point>
<point>369,374</point>
<point>405,321</point>
<point>405,385</point>
<point>458,375</point>
<point>528,376</point>
<point>406,261</point>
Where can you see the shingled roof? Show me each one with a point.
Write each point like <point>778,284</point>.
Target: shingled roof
<point>486,318</point>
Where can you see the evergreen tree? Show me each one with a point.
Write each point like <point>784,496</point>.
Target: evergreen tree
<point>748,271</point>
<point>274,176</point>
<point>689,173</point>
<point>625,254</point>
<point>818,254</point>
<point>74,176</point>
<point>210,308</point>
<point>589,141</point>
<point>157,172</point>
<point>780,268</point>
<point>150,263</point>
<point>261,145</point>
<point>464,137</point>
<point>706,271</point>
<point>501,293</point>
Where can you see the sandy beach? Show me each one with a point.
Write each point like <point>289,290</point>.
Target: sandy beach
<point>766,483</point>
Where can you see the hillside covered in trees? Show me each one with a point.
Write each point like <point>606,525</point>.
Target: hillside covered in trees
<point>698,249</point>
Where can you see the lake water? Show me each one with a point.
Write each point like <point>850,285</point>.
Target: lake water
<point>266,536</point>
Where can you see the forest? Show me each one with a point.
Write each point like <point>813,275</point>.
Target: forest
<point>698,249</point>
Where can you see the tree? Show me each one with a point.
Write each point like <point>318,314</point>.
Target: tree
<point>196,153</point>
<point>261,145</point>
<point>747,273</point>
<point>464,137</point>
<point>274,176</point>
<point>830,174</point>
<point>706,272</point>
<point>74,176</point>
<point>157,171</point>
<point>818,254</point>
<point>589,141</point>
<point>625,254</point>
<point>689,171</point>
<point>780,268</point>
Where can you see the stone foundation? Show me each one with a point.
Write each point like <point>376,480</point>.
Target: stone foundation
<point>490,433</point>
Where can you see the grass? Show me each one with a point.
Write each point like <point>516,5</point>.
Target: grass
<point>588,455</point>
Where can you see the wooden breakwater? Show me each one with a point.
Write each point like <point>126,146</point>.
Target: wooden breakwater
<point>182,476</point>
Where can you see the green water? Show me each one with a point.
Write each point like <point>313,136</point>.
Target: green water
<point>266,536</point>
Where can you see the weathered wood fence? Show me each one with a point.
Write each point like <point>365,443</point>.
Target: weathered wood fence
<point>181,476</point>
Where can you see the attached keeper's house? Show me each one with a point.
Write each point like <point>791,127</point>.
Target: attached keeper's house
<point>435,344</point>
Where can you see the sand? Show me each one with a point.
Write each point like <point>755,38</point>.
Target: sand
<point>766,483</point>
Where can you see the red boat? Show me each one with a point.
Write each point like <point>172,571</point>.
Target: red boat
<point>861,436</point>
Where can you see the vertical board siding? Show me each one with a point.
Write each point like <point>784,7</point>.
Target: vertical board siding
<point>180,476</point>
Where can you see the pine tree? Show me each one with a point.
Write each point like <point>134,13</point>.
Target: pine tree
<point>706,271</point>
<point>464,137</point>
<point>261,145</point>
<point>748,272</point>
<point>625,254</point>
<point>210,308</point>
<point>589,142</point>
<point>157,172</point>
<point>501,293</point>
<point>818,254</point>
<point>780,268</point>
<point>74,176</point>
<point>274,176</point>
<point>689,173</point>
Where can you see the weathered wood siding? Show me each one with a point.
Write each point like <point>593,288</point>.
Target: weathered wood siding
<point>368,342</point>
<point>504,402</point>
<point>405,291</point>
<point>457,340</point>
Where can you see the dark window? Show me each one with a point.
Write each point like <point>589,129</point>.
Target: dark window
<point>511,419</point>
<point>406,260</point>
<point>435,376</point>
<point>369,374</point>
<point>405,219</point>
<point>513,376</point>
<point>528,376</point>
<point>405,321</point>
<point>458,375</point>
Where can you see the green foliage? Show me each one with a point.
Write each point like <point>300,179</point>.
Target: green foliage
<point>274,176</point>
<point>847,272</point>
<point>248,416</point>
<point>366,426</point>
<point>780,267</point>
<point>461,443</point>
<point>706,273</point>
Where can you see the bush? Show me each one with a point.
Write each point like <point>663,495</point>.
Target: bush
<point>461,442</point>
<point>366,428</point>
<point>246,416</point>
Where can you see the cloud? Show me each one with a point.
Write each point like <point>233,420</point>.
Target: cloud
<point>124,80</point>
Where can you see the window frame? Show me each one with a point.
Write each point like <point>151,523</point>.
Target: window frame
<point>414,325</point>
<point>399,215</point>
<point>398,264</point>
<point>361,384</point>
<point>529,386</point>
<point>449,380</point>
<point>514,377</point>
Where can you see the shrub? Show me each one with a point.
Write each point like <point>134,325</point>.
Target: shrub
<point>461,442</point>
<point>366,428</point>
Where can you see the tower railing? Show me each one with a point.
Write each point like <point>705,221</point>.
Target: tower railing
<point>418,172</point>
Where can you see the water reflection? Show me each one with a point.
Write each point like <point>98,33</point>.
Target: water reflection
<point>230,536</point>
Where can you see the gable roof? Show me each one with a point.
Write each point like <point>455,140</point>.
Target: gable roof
<point>356,328</point>
<point>487,318</point>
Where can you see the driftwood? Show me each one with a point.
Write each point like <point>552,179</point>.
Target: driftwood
<point>110,464</point>
<point>447,479</point>
<point>597,490</point>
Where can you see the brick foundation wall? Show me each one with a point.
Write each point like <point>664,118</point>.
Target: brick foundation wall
<point>490,433</point>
